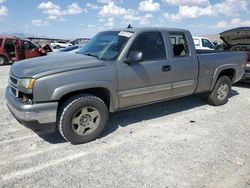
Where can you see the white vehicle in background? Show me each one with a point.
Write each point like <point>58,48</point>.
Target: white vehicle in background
<point>57,45</point>
<point>70,49</point>
<point>202,43</point>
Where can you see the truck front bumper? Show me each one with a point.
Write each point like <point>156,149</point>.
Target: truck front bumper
<point>36,116</point>
<point>246,77</point>
<point>247,73</point>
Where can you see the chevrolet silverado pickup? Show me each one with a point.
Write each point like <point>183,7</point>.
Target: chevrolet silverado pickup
<point>116,70</point>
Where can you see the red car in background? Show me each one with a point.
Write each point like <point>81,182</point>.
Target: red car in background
<point>14,49</point>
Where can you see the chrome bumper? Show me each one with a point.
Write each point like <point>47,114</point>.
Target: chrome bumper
<point>44,113</point>
<point>247,73</point>
<point>246,76</point>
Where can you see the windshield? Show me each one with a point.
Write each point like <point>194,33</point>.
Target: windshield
<point>106,45</point>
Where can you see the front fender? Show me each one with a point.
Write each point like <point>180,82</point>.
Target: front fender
<point>72,87</point>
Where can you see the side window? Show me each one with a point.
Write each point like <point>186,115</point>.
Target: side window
<point>1,41</point>
<point>26,45</point>
<point>9,45</point>
<point>173,40</point>
<point>32,46</point>
<point>179,44</point>
<point>151,44</point>
<point>29,45</point>
<point>207,43</point>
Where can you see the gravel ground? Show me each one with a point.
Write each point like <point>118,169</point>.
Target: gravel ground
<point>179,143</point>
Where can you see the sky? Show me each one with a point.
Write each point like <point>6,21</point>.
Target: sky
<point>84,18</point>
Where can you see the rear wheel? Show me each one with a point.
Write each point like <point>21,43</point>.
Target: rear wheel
<point>3,60</point>
<point>220,94</point>
<point>82,119</point>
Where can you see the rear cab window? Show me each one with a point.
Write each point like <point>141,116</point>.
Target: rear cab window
<point>151,44</point>
<point>179,44</point>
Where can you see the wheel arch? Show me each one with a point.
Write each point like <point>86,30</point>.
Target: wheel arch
<point>227,70</point>
<point>106,94</point>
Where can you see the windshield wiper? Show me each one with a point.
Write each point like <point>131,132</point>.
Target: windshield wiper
<point>92,55</point>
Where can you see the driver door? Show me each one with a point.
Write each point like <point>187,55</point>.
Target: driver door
<point>149,80</point>
<point>30,50</point>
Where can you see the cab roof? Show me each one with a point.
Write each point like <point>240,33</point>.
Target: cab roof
<point>9,37</point>
<point>145,29</point>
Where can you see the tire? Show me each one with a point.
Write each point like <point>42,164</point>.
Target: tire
<point>220,94</point>
<point>57,47</point>
<point>3,60</point>
<point>82,118</point>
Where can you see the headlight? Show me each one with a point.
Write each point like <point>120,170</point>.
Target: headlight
<point>26,83</point>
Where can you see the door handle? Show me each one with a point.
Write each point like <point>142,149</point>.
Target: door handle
<point>166,68</point>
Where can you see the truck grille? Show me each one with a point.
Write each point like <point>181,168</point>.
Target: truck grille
<point>13,84</point>
<point>14,91</point>
<point>13,80</point>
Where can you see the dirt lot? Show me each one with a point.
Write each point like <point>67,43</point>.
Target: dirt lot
<point>180,143</point>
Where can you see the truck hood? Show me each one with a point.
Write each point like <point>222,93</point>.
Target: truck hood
<point>237,36</point>
<point>42,66</point>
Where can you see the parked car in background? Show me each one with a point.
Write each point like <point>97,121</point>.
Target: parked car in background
<point>116,70</point>
<point>14,49</point>
<point>80,41</point>
<point>238,39</point>
<point>71,49</point>
<point>47,48</point>
<point>57,45</point>
<point>202,43</point>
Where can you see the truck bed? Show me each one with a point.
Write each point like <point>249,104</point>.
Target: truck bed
<point>210,62</point>
<point>210,51</point>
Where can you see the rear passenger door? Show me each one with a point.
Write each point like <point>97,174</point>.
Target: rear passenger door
<point>148,80</point>
<point>184,63</point>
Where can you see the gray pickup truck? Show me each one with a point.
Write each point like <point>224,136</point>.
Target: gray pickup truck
<point>116,70</point>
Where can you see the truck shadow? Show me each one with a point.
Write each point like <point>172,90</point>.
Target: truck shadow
<point>139,114</point>
<point>153,111</point>
<point>52,137</point>
<point>242,84</point>
<point>5,65</point>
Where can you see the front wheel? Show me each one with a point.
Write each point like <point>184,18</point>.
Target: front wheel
<point>220,94</point>
<point>3,60</point>
<point>82,119</point>
<point>57,47</point>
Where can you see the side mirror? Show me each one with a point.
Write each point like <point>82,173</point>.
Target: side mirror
<point>216,43</point>
<point>134,57</point>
